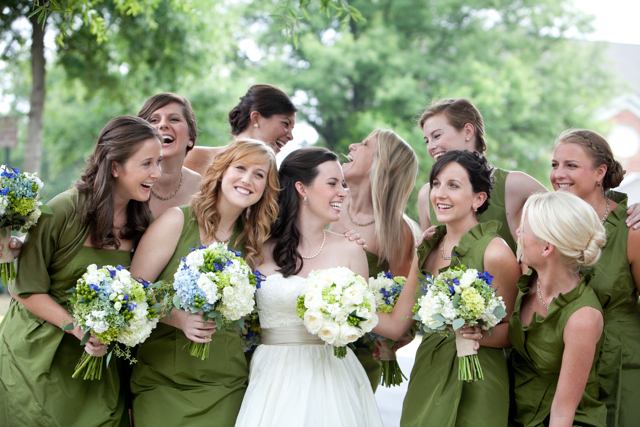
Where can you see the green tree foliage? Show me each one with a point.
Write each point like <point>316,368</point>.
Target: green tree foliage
<point>510,58</point>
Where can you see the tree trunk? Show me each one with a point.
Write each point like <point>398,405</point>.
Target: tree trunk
<point>33,144</point>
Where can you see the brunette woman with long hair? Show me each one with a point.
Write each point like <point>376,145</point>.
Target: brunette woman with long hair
<point>97,221</point>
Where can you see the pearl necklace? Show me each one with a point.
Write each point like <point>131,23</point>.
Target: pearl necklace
<point>356,223</point>
<point>321,246</point>
<point>170,196</point>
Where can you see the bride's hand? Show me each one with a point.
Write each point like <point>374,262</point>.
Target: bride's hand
<point>194,327</point>
<point>472,333</point>
<point>352,235</point>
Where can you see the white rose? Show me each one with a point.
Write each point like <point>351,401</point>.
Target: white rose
<point>124,275</point>
<point>313,301</point>
<point>353,295</point>
<point>117,305</point>
<point>195,259</point>
<point>369,324</point>
<point>329,332</point>
<point>348,334</point>
<point>113,296</point>
<point>313,320</point>
<point>468,278</point>
<point>209,288</point>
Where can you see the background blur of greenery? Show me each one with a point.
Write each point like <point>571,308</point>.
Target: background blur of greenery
<point>511,58</point>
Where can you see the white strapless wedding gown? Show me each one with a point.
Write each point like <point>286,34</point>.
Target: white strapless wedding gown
<point>294,378</point>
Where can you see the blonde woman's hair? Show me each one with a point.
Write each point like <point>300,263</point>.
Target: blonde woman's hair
<point>599,150</point>
<point>568,223</point>
<point>393,175</point>
<point>256,219</point>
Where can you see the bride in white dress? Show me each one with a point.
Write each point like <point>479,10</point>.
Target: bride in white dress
<point>295,379</point>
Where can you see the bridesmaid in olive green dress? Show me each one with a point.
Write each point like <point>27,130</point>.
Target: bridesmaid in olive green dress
<point>97,221</point>
<point>461,182</point>
<point>557,322</point>
<point>583,165</point>
<point>456,124</point>
<point>386,163</point>
<point>236,205</point>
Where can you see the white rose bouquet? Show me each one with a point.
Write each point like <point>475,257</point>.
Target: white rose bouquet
<point>113,306</point>
<point>386,289</point>
<point>20,209</point>
<point>337,305</point>
<point>457,297</point>
<point>216,281</point>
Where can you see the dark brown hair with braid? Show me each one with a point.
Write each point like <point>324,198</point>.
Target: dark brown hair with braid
<point>598,148</point>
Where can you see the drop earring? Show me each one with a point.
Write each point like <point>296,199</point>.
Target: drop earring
<point>597,184</point>
<point>304,199</point>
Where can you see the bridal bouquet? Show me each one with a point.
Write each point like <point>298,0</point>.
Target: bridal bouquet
<point>386,289</point>
<point>457,297</point>
<point>113,306</point>
<point>216,281</point>
<point>20,208</point>
<point>337,305</point>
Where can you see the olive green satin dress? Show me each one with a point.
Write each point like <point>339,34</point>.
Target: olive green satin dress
<point>173,388</point>
<point>435,396</point>
<point>497,208</point>
<point>619,365</point>
<point>37,358</point>
<point>536,359</point>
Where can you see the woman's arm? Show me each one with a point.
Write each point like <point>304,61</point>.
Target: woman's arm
<point>581,335</point>
<point>403,267</point>
<point>43,306</point>
<point>500,262</point>
<point>518,187</point>
<point>152,255</point>
<point>396,324</point>
<point>634,216</point>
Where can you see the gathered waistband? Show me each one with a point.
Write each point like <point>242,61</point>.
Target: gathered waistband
<point>289,335</point>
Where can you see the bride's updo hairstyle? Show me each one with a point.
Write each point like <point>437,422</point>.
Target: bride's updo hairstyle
<point>478,169</point>
<point>266,100</point>
<point>599,150</point>
<point>299,166</point>
<point>568,223</point>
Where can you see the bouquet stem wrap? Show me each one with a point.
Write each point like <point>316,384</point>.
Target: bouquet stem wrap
<point>91,364</point>
<point>7,269</point>
<point>391,373</point>
<point>469,369</point>
<point>199,350</point>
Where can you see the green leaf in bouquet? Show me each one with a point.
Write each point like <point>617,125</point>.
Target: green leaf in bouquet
<point>456,300</point>
<point>499,312</point>
<point>46,209</point>
<point>85,338</point>
<point>417,317</point>
<point>437,325</point>
<point>71,291</point>
<point>237,323</point>
<point>126,322</point>
<point>457,324</point>
<point>176,301</point>
<point>109,357</point>
<point>439,317</point>
<point>157,307</point>
<point>68,327</point>
<point>205,269</point>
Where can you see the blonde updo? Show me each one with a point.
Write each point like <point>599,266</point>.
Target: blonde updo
<point>599,150</point>
<point>568,223</point>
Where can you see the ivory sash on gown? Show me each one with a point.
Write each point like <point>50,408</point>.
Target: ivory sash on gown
<point>289,335</point>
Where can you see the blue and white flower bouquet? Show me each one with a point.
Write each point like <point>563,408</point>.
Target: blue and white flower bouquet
<point>460,296</point>
<point>337,305</point>
<point>250,332</point>
<point>216,281</point>
<point>20,209</point>
<point>114,307</point>
<point>386,289</point>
